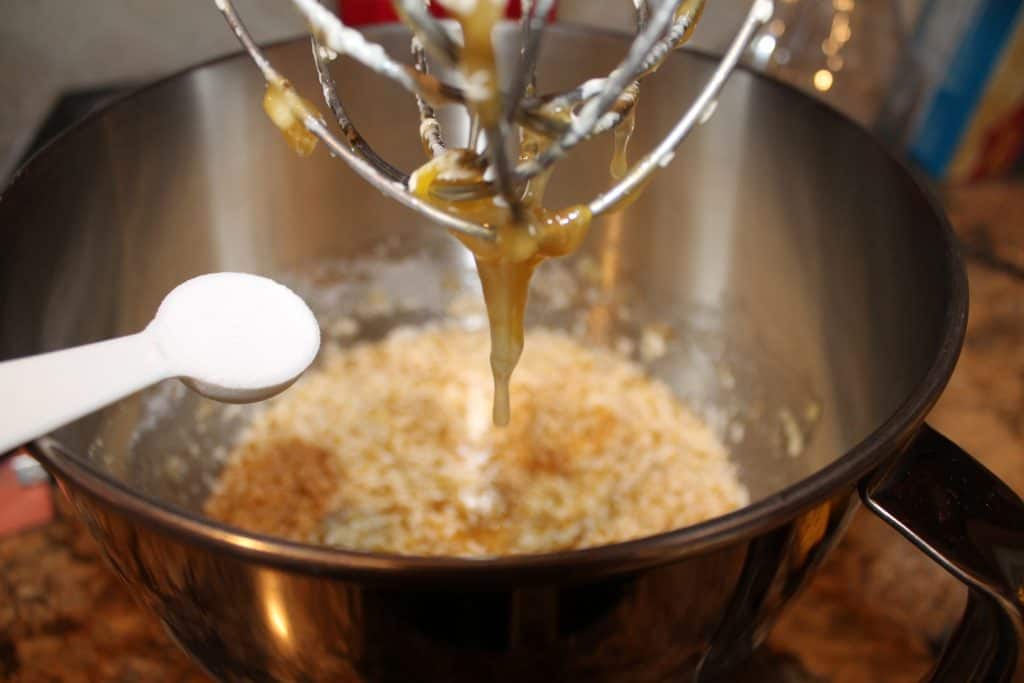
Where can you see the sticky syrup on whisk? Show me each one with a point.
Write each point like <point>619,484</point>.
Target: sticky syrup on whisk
<point>506,264</point>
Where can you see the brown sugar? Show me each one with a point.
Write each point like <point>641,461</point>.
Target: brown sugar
<point>389,447</point>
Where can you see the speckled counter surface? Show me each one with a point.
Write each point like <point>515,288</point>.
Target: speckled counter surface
<point>878,611</point>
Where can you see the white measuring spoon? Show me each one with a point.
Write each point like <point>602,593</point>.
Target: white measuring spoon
<point>233,337</point>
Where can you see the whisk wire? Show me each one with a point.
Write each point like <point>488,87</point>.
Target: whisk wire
<point>597,105</point>
<point>356,142</point>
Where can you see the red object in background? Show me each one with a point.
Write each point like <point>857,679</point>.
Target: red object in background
<point>360,12</point>
<point>24,502</point>
<point>1003,146</point>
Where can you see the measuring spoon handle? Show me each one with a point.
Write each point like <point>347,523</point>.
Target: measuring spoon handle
<point>40,393</point>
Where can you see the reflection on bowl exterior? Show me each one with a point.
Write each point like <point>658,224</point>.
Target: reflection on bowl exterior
<point>245,621</point>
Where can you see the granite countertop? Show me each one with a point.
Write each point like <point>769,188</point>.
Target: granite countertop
<point>877,610</point>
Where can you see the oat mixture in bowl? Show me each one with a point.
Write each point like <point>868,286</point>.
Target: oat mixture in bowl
<point>389,447</point>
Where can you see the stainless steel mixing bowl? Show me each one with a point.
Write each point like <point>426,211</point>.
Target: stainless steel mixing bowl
<point>782,232</point>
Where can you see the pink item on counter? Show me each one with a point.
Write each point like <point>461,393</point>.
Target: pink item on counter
<point>26,501</point>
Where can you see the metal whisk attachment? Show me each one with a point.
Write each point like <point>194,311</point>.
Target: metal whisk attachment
<point>596,106</point>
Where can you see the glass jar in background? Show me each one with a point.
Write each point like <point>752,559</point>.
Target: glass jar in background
<point>843,52</point>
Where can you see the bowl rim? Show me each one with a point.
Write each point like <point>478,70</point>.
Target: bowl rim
<point>839,477</point>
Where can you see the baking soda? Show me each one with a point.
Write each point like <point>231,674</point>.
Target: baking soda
<point>237,331</point>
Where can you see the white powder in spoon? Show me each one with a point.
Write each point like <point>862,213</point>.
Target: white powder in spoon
<point>236,331</point>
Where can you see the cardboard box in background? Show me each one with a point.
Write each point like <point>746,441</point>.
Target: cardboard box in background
<point>969,124</point>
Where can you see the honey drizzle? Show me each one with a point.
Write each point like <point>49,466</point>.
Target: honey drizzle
<point>694,8</point>
<point>287,109</point>
<point>505,264</point>
<point>623,132</point>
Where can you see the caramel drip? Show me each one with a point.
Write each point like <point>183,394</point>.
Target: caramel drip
<point>623,132</point>
<point>506,263</point>
<point>287,109</point>
<point>694,7</point>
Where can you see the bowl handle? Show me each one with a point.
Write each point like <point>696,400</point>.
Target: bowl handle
<point>950,506</point>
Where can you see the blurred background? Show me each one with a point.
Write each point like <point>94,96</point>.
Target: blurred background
<point>939,78</point>
<point>941,81</point>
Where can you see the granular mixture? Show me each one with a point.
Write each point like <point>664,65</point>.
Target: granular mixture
<point>389,447</point>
